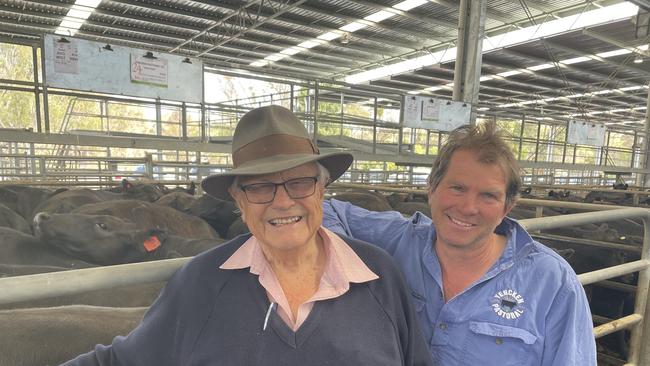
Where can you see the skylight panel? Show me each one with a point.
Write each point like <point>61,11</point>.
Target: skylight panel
<point>379,16</point>
<point>409,4</point>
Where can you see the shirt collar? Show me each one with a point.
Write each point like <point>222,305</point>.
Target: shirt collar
<point>343,264</point>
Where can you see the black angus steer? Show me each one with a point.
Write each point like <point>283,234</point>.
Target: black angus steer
<point>19,248</point>
<point>11,219</point>
<point>106,240</point>
<point>99,239</point>
<point>149,215</point>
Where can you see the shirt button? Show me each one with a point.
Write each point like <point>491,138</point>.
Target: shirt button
<point>498,341</point>
<point>443,326</point>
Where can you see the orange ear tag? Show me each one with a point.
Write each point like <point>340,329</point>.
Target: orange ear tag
<point>151,244</point>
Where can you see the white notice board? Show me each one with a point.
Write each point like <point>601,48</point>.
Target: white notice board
<point>434,114</point>
<point>86,65</point>
<point>586,133</point>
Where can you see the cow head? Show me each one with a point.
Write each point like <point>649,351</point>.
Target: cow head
<point>99,239</point>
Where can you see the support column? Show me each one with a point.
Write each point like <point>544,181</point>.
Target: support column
<point>643,180</point>
<point>467,72</point>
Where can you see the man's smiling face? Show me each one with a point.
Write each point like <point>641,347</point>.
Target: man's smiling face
<point>469,202</point>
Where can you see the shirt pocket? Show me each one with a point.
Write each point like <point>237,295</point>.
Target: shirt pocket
<point>509,345</point>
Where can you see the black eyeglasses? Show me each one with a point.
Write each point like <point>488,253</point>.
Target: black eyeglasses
<point>265,192</point>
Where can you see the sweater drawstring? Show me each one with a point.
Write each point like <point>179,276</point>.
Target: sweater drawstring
<point>268,315</point>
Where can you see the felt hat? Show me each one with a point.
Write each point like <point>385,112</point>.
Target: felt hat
<point>269,140</point>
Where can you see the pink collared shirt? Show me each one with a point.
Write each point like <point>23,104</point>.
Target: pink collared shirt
<point>343,266</point>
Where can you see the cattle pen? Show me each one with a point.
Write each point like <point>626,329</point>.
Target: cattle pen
<point>37,286</point>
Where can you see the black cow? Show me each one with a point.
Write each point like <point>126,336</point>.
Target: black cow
<point>9,218</point>
<point>180,201</point>
<point>150,215</point>
<point>220,214</point>
<point>99,239</point>
<point>50,336</point>
<point>105,240</point>
<point>19,248</point>
<point>67,201</point>
<point>23,199</point>
<point>369,200</point>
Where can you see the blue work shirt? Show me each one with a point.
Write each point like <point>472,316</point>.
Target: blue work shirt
<point>528,309</point>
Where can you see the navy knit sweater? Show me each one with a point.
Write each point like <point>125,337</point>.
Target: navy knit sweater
<point>209,316</point>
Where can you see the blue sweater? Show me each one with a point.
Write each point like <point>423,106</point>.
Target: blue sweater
<point>210,316</point>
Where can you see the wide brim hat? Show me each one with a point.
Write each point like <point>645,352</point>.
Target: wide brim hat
<point>269,140</point>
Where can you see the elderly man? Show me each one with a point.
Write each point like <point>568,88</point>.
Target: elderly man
<point>486,293</point>
<point>293,293</point>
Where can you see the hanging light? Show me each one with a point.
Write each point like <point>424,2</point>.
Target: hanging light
<point>107,47</point>
<point>149,55</point>
<point>187,60</point>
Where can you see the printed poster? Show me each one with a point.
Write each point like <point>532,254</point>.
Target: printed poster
<point>149,70</point>
<point>66,56</point>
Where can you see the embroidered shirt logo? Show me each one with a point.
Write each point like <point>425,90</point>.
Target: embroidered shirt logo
<point>508,304</point>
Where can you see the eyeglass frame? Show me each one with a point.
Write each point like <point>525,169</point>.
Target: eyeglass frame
<point>243,188</point>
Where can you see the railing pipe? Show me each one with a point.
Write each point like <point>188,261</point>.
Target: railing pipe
<point>44,285</point>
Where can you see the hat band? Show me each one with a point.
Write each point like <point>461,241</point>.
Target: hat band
<point>273,145</point>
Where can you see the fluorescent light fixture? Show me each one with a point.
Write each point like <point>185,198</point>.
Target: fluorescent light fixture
<point>540,67</point>
<point>310,44</point>
<point>554,27</point>
<point>292,51</point>
<point>76,16</point>
<point>275,57</point>
<point>486,78</point>
<point>600,92</point>
<point>379,16</point>
<point>409,4</point>
<point>575,60</point>
<point>638,60</point>
<point>433,88</point>
<point>259,63</point>
<point>578,95</point>
<point>79,13</point>
<point>353,27</point>
<point>88,3</point>
<point>628,88</point>
<point>509,73</point>
<point>483,109</point>
<point>613,53</point>
<point>329,36</point>
<point>414,92</point>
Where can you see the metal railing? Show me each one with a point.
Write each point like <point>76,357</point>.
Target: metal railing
<point>31,287</point>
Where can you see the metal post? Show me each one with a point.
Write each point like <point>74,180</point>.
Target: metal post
<point>343,114</point>
<point>374,128</point>
<point>639,353</point>
<point>291,99</point>
<point>184,121</point>
<point>46,109</point>
<point>203,123</point>
<point>539,130</point>
<point>521,136</point>
<point>316,114</point>
<point>37,93</point>
<point>645,146</point>
<point>467,72</point>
